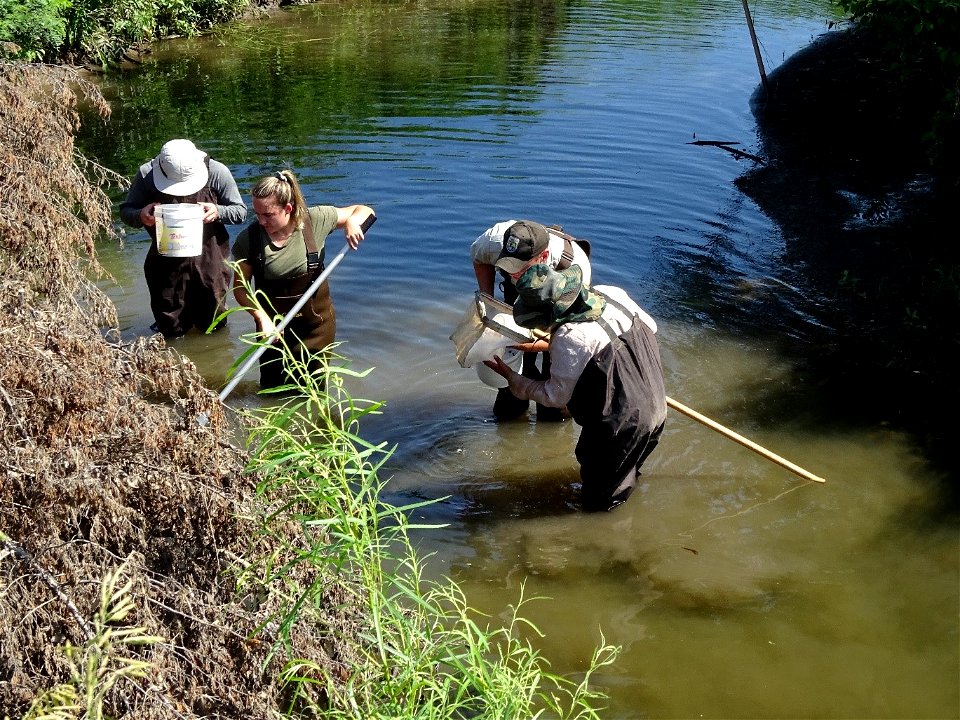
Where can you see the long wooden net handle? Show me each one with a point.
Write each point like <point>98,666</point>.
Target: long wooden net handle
<point>736,437</point>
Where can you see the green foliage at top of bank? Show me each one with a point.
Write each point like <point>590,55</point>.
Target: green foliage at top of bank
<point>100,31</point>
<point>920,25</point>
<point>922,33</point>
<point>921,37</point>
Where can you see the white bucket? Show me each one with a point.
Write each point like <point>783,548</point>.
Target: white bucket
<point>512,357</point>
<point>179,229</point>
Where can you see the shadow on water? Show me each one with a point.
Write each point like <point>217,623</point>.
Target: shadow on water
<point>475,468</point>
<point>871,290</point>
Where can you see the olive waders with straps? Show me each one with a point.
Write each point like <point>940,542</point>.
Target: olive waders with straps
<point>188,292</point>
<point>312,329</point>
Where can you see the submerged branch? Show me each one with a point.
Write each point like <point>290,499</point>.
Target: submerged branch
<point>725,145</point>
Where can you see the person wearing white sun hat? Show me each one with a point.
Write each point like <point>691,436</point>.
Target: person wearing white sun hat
<point>186,292</point>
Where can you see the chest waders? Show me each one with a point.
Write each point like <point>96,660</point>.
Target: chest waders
<point>312,329</point>
<point>620,403</point>
<point>187,292</point>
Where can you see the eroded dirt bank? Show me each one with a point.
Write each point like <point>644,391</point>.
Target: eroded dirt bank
<point>103,464</point>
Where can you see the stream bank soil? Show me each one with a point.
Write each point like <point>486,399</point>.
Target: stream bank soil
<point>104,467</point>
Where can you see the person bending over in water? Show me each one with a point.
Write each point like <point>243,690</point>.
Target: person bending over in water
<point>510,247</point>
<point>281,253</point>
<point>604,367</point>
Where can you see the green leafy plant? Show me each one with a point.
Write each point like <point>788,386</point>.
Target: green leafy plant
<point>417,650</point>
<point>922,37</point>
<point>102,31</point>
<point>32,29</point>
<point>215,12</point>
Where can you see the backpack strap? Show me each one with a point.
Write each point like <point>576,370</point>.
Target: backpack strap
<point>607,329</point>
<point>566,258</point>
<point>258,240</point>
<point>314,258</point>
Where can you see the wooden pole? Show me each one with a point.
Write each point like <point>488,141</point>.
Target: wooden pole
<point>756,47</point>
<point>736,437</point>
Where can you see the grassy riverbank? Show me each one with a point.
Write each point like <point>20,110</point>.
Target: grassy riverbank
<point>153,567</point>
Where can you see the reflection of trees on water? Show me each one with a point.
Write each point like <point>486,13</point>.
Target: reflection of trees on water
<point>334,72</point>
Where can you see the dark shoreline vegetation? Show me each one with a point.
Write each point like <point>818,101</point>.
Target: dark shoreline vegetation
<point>847,133</point>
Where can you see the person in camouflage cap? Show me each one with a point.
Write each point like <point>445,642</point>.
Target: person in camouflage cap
<point>500,255</point>
<point>605,369</point>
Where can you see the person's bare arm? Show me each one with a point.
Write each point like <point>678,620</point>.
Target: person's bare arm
<point>350,219</point>
<point>486,277</point>
<point>534,346</point>
<point>241,281</point>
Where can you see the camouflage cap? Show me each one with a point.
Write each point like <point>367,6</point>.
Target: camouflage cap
<point>547,297</point>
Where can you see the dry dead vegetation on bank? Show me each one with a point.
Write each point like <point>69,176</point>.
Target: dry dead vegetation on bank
<point>103,467</point>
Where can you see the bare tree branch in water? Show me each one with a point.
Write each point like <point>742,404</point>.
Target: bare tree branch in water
<point>725,145</point>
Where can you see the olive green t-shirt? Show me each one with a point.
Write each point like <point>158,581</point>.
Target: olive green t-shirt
<point>291,259</point>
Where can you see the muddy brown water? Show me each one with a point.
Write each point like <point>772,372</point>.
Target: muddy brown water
<point>734,588</point>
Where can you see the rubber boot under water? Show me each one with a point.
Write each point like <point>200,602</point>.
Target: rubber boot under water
<point>552,414</point>
<point>508,406</point>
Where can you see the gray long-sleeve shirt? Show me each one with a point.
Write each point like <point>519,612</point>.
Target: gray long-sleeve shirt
<point>230,205</point>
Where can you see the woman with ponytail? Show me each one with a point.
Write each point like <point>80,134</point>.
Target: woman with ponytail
<point>280,254</point>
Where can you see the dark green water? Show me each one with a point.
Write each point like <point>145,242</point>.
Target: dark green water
<point>734,588</point>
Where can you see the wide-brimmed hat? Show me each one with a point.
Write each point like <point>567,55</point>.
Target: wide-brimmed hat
<point>522,242</point>
<point>180,169</point>
<point>545,294</point>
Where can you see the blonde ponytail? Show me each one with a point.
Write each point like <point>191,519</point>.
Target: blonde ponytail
<point>283,187</point>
